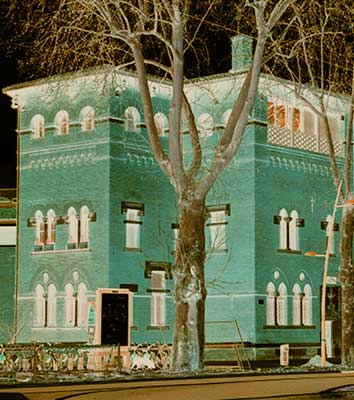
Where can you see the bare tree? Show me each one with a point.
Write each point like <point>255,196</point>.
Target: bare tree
<point>127,27</point>
<point>320,63</point>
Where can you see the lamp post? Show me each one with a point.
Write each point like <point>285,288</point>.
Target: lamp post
<point>325,274</point>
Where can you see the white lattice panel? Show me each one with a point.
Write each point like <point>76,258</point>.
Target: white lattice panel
<point>279,136</point>
<point>324,147</point>
<point>305,142</point>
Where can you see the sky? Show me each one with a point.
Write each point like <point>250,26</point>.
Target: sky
<point>8,126</point>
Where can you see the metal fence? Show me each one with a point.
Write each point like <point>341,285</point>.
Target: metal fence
<point>71,358</point>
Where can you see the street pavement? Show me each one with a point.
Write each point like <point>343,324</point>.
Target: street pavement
<point>208,388</point>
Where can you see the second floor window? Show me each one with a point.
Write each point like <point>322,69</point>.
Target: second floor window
<point>289,230</point>
<point>133,213</point>
<point>217,226</point>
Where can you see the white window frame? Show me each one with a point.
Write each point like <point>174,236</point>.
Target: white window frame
<point>282,305</point>
<point>82,304</point>
<point>37,126</point>
<point>132,119</point>
<point>297,304</point>
<point>307,305</point>
<point>87,115</point>
<point>283,229</point>
<point>84,224</point>
<point>294,231</point>
<point>217,227</point>
<point>51,227</point>
<point>62,122</point>
<point>158,298</point>
<point>69,305</point>
<point>40,229</point>
<point>52,305</point>
<point>73,226</point>
<point>270,304</point>
<point>133,222</point>
<point>331,243</point>
<point>40,306</point>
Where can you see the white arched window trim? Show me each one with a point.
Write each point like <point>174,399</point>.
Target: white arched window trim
<point>297,304</point>
<point>40,229</point>
<point>73,227</point>
<point>270,304</point>
<point>161,123</point>
<point>50,239</point>
<point>69,305</point>
<point>307,305</point>
<point>39,306</point>
<point>132,118</point>
<point>52,305</point>
<point>87,115</point>
<point>62,122</point>
<point>84,225</point>
<point>283,229</point>
<point>294,231</point>
<point>37,126</point>
<point>206,125</point>
<point>82,306</point>
<point>281,302</point>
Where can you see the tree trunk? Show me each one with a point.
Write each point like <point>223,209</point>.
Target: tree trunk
<point>190,292</point>
<point>347,284</point>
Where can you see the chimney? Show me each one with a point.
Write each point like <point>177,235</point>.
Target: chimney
<point>241,53</point>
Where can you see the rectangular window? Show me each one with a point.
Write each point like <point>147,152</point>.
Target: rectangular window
<point>133,213</point>
<point>175,228</point>
<point>158,298</point>
<point>296,119</point>
<point>217,226</point>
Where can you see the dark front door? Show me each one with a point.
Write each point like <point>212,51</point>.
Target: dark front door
<point>115,317</point>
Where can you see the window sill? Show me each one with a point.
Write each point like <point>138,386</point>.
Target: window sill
<point>38,252</point>
<point>157,328</point>
<point>133,249</point>
<point>296,327</point>
<point>289,251</point>
<point>158,290</point>
<point>134,328</point>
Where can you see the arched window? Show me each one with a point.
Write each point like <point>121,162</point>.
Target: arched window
<point>87,115</point>
<point>297,305</point>
<point>271,299</point>
<point>37,126</point>
<point>281,304</point>
<point>69,305</point>
<point>293,231</point>
<point>283,229</point>
<point>73,228</point>
<point>52,305</point>
<point>40,229</point>
<point>206,125</point>
<point>62,122</point>
<point>84,226</point>
<point>82,304</point>
<point>307,305</point>
<point>329,240</point>
<point>40,306</point>
<point>132,117</point>
<point>161,123</point>
<point>50,239</point>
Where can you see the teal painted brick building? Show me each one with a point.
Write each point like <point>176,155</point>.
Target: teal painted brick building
<point>97,212</point>
<point>7,262</point>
